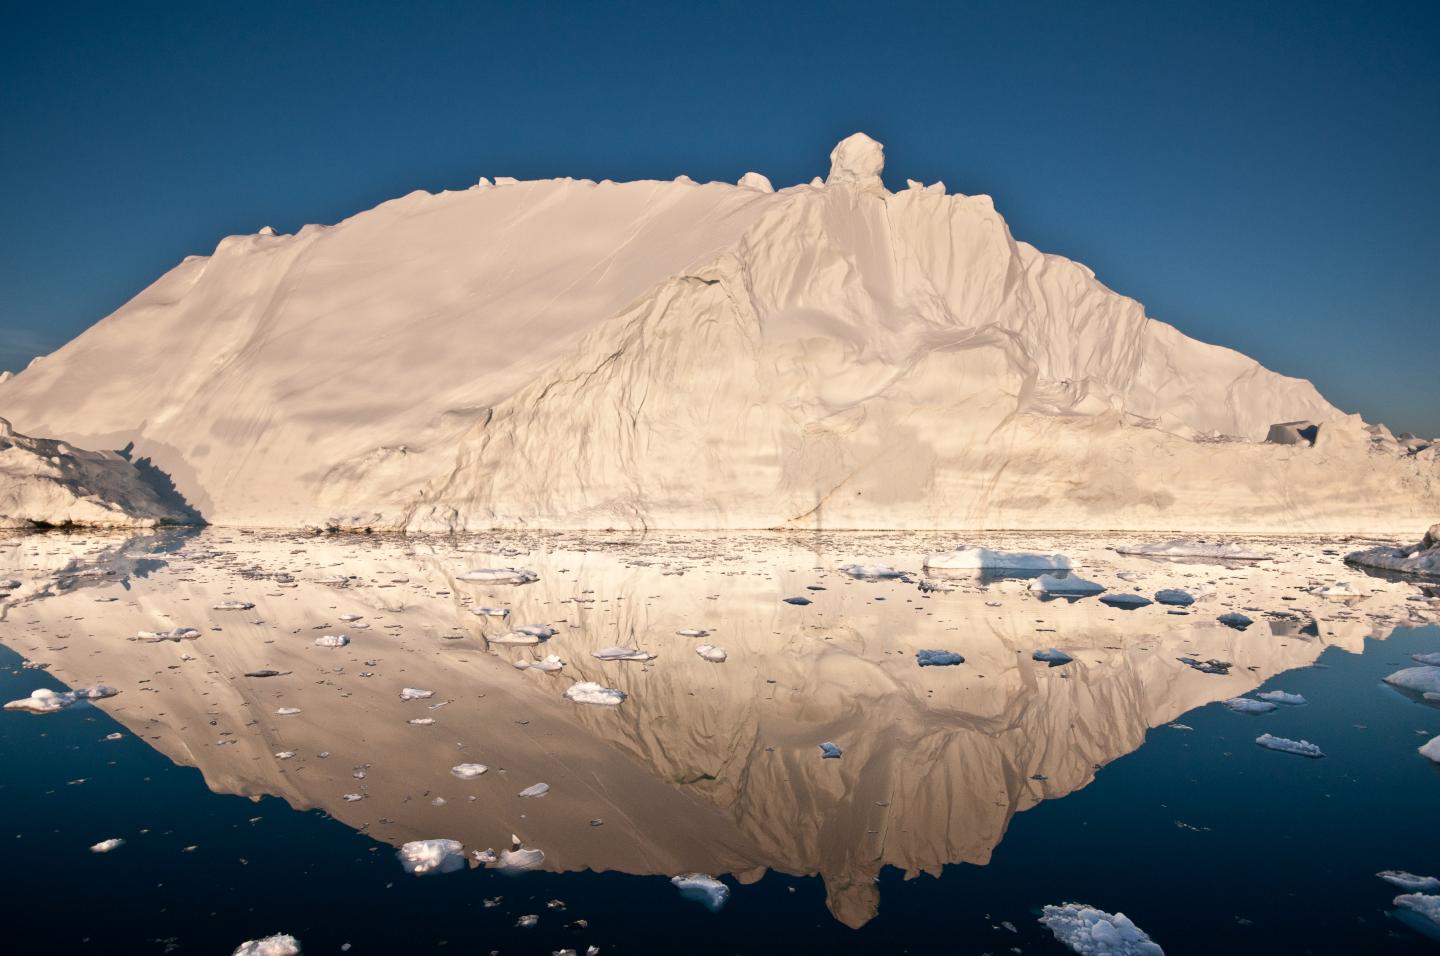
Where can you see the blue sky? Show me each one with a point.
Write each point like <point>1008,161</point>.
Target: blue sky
<point>1263,176</point>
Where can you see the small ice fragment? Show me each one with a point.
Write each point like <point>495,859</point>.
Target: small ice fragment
<point>872,572</point>
<point>468,771</point>
<point>500,576</point>
<point>829,751</point>
<point>105,846</point>
<point>1175,597</point>
<point>621,654</point>
<point>233,606</point>
<point>798,601</point>
<point>1069,586</point>
<point>1283,697</point>
<point>549,664</point>
<point>702,888</point>
<point>431,856</point>
<point>414,693</point>
<point>1236,620</point>
<point>693,632</point>
<point>1187,548</point>
<point>589,692</point>
<point>284,754</point>
<point>711,653</point>
<point>535,790</point>
<point>281,944</point>
<point>46,701</point>
<point>332,640</point>
<point>1211,666</point>
<point>485,857</point>
<point>1409,881</point>
<point>490,611</point>
<point>527,921</point>
<point>980,559</point>
<point>1244,705</point>
<point>351,618</point>
<point>1092,932</point>
<point>931,658</point>
<point>525,635</point>
<point>175,634</point>
<point>1051,656</point>
<point>265,672</point>
<point>287,711</point>
<point>519,856</point>
<point>1301,748</point>
<point>1126,602</point>
<point>421,721</point>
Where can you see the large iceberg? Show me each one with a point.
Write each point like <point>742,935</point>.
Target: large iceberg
<point>1092,932</point>
<point>1423,559</point>
<point>863,358</point>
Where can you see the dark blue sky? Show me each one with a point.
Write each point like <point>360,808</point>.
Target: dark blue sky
<point>1262,175</point>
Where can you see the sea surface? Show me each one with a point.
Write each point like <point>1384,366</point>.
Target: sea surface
<point>965,799</point>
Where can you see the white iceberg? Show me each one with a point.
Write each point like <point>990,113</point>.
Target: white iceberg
<point>589,692</point>
<point>415,693</point>
<point>1191,548</point>
<point>549,664</point>
<point>1301,748</point>
<point>1422,559</point>
<point>1421,680</point>
<point>468,771</point>
<point>46,701</point>
<point>621,654</point>
<point>984,559</point>
<point>422,857</point>
<point>105,846</point>
<point>332,640</point>
<point>702,888</point>
<point>1409,881</point>
<point>1244,705</point>
<point>176,634</point>
<point>711,653</point>
<point>1283,697</point>
<point>1092,932</point>
<point>1431,750</point>
<point>535,790</point>
<point>281,944</point>
<point>872,572</point>
<point>693,632</point>
<point>1423,905</point>
<point>233,606</point>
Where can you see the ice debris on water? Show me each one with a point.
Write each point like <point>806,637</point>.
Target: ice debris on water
<point>281,944</point>
<point>1422,905</point>
<point>519,856</point>
<point>1068,586</point>
<point>1244,705</point>
<point>934,658</point>
<point>468,771</point>
<point>621,654</point>
<point>233,606</point>
<point>525,635</point>
<point>1301,748</point>
<point>872,572</point>
<point>1432,660</point>
<point>1421,680</point>
<point>983,559</point>
<point>829,751</point>
<point>1189,548</point>
<point>490,611</point>
<point>535,790</point>
<point>176,635</point>
<point>1431,750</point>
<point>47,701</point>
<point>1283,697</point>
<point>1125,601</point>
<point>500,576</point>
<point>798,601</point>
<point>415,693</point>
<point>589,692</point>
<point>702,888</point>
<point>549,664</point>
<point>105,846</point>
<point>332,640</point>
<point>287,711</point>
<point>422,857</point>
<point>1092,932</point>
<point>711,653</point>
<point>1410,881</point>
<point>1051,656</point>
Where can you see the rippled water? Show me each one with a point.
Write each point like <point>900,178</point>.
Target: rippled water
<point>965,798</point>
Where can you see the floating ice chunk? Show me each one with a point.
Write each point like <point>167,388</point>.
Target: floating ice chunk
<point>527,921</point>
<point>351,618</point>
<point>1127,602</point>
<point>519,856</point>
<point>702,888</point>
<point>421,721</point>
<point>525,635</point>
<point>693,632</point>
<point>589,692</point>
<point>798,601</point>
<point>1175,597</point>
<point>621,654</point>
<point>1236,620</point>
<point>549,664</point>
<point>233,606</point>
<point>1431,660</point>
<point>287,711</point>
<point>431,856</point>
<point>1422,559</point>
<point>1340,591</point>
<point>105,846</point>
<point>711,653</point>
<point>1051,656</point>
<point>332,640</point>
<point>284,754</point>
<point>468,771</point>
<point>931,658</point>
<point>486,857</point>
<point>1301,748</point>
<point>1189,548</point>
<point>535,790</point>
<point>46,701</point>
<point>500,576</point>
<point>1418,679</point>
<point>829,751</point>
<point>1422,905</point>
<point>1092,932</point>
<point>982,559</point>
<point>872,572</point>
<point>1409,881</point>
<point>1069,586</point>
<point>1431,750</point>
<point>265,672</point>
<point>1283,697</point>
<point>490,611</point>
<point>281,944</point>
<point>1244,705</point>
<point>175,634</point>
<point>415,693</point>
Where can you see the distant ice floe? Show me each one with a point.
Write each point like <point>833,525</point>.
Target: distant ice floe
<point>1051,656</point>
<point>1341,591</point>
<point>287,711</point>
<point>984,559</point>
<point>622,654</point>
<point>233,606</point>
<point>798,601</point>
<point>1069,586</point>
<point>589,692</point>
<point>702,888</point>
<point>1244,705</point>
<point>1127,602</point>
<point>415,693</point>
<point>468,771</point>
<point>934,658</point>
<point>1092,932</point>
<point>47,701</point>
<point>1422,560</point>
<point>1301,748</point>
<point>499,576</point>
<point>1410,881</point>
<point>281,944</point>
<point>176,635</point>
<point>711,653</point>
<point>872,572</point>
<point>332,640</point>
<point>105,846</point>
<point>1421,680</point>
<point>1191,548</point>
<point>422,857</point>
<point>549,664</point>
<point>1283,697</point>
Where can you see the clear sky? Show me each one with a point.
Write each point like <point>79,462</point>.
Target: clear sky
<point>1262,175</point>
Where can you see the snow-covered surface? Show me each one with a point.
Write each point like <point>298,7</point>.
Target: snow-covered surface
<point>861,359</point>
<point>1092,932</point>
<point>981,559</point>
<point>1422,559</point>
<point>44,482</point>
<point>1190,548</point>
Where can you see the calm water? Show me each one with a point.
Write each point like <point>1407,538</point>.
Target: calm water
<point>1155,800</point>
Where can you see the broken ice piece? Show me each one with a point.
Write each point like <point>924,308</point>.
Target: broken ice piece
<point>468,771</point>
<point>233,606</point>
<point>1301,748</point>
<point>421,857</point>
<point>105,846</point>
<point>589,692</point>
<point>281,944</point>
<point>829,751</point>
<point>490,611</point>
<point>1409,881</point>
<point>702,888</point>
<point>332,640</point>
<point>872,572</point>
<point>622,654</point>
<point>932,658</point>
<point>500,576</point>
<point>415,693</point>
<point>693,632</point>
<point>287,711</point>
<point>1070,586</point>
<point>1175,597</point>
<point>711,653</point>
<point>1236,620</point>
<point>535,790</point>
<point>1092,932</point>
<point>1283,697</point>
<point>798,601</point>
<point>1125,601</point>
<point>1244,705</point>
<point>1052,656</point>
<point>47,701</point>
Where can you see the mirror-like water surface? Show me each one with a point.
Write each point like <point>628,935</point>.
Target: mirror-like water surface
<point>964,799</point>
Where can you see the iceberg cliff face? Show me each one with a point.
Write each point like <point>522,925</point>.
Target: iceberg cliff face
<point>571,354</point>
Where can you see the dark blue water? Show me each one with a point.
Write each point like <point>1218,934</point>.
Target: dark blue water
<point>1211,844</point>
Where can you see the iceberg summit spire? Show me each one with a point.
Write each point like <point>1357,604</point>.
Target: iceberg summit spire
<point>857,160</point>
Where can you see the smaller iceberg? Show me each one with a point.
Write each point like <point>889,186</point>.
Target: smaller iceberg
<point>702,888</point>
<point>422,857</point>
<point>1300,748</point>
<point>1092,932</point>
<point>938,658</point>
<point>984,559</point>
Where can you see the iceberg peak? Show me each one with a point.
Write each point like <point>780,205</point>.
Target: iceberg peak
<point>857,159</point>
